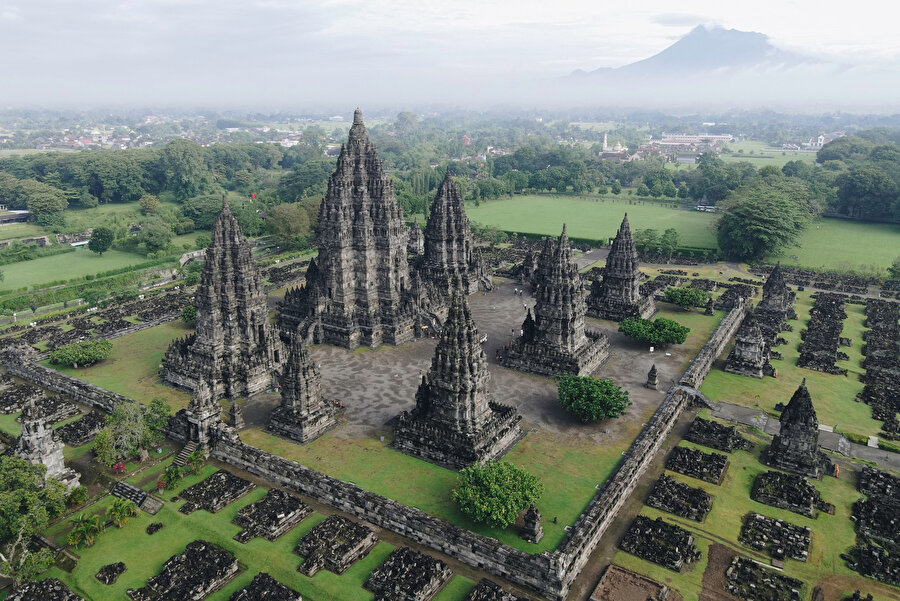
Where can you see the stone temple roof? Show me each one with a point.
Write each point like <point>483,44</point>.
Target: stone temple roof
<point>800,408</point>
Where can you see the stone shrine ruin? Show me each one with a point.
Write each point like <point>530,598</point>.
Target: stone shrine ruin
<point>776,537</point>
<point>788,491</point>
<point>618,294</point>
<point>334,545</point>
<point>796,447</point>
<point>39,443</point>
<point>407,575</point>
<point>709,467</point>
<point>215,492</point>
<point>271,516</point>
<point>49,589</point>
<point>750,581</point>
<point>715,435</point>
<point>265,588</point>
<point>680,499</point>
<point>662,543</point>
<point>201,570</point>
<point>750,356</point>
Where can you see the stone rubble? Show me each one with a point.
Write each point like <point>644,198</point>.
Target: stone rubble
<point>775,537</point>
<point>666,544</point>
<point>265,588</point>
<point>215,492</point>
<point>715,435</point>
<point>271,516</point>
<point>750,581</point>
<point>408,575</point>
<point>334,545</point>
<point>709,467</point>
<point>680,499</point>
<point>201,570</point>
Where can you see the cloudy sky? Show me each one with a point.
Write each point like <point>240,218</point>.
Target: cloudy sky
<point>289,53</point>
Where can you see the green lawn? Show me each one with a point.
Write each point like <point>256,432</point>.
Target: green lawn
<point>761,158</point>
<point>561,464</point>
<point>835,243</point>
<point>831,534</point>
<point>66,266</point>
<point>833,395</point>
<point>131,370</point>
<point>596,219</point>
<point>12,231</point>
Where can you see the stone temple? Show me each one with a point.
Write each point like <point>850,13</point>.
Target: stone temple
<point>555,340</point>
<point>39,443</point>
<point>302,414</point>
<point>235,348</point>
<point>776,306</point>
<point>358,288</point>
<point>618,294</point>
<point>450,261</point>
<point>455,421</point>
<point>750,356</point>
<point>796,447</point>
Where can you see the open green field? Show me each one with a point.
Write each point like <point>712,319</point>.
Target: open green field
<point>131,370</point>
<point>833,395</point>
<point>596,219</point>
<point>761,158</point>
<point>144,556</point>
<point>12,231</point>
<point>835,243</point>
<point>831,534</point>
<point>66,266</point>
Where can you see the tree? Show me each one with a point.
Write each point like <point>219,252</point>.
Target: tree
<point>130,429</point>
<point>189,315</point>
<point>121,511</point>
<point>289,223</point>
<point>686,297</point>
<point>155,234</point>
<point>202,241</point>
<point>761,219</point>
<point>616,187</point>
<point>183,168</point>
<point>149,204</point>
<point>105,448</point>
<point>83,353</point>
<point>669,242</point>
<point>84,530</point>
<point>591,399</point>
<point>496,492</point>
<point>658,332</point>
<point>45,202</point>
<point>866,193</point>
<point>101,239</point>
<point>894,269</point>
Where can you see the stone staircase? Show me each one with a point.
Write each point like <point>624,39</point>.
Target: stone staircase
<point>183,454</point>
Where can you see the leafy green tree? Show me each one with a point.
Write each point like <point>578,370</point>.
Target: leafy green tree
<point>45,202</point>
<point>657,332</point>
<point>496,492</point>
<point>85,530</point>
<point>289,223</point>
<point>183,168</point>
<point>669,242</point>
<point>202,241</point>
<point>83,353</point>
<point>171,475</point>
<point>307,179</point>
<point>894,269</point>
<point>149,204</point>
<point>616,187</point>
<point>77,496</point>
<point>867,193</point>
<point>155,235</point>
<point>101,239</point>
<point>685,297</point>
<point>189,315</point>
<point>104,448</point>
<point>591,399</point>
<point>121,511</point>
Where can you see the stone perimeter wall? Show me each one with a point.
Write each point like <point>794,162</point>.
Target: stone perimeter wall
<point>550,574</point>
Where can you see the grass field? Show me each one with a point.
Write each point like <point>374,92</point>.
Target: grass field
<point>761,158</point>
<point>831,534</point>
<point>66,266</point>
<point>131,370</point>
<point>144,556</point>
<point>12,231</point>
<point>833,243</point>
<point>833,395</point>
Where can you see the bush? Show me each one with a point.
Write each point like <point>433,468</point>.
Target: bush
<point>686,297</point>
<point>77,496</point>
<point>658,332</point>
<point>496,492</point>
<point>189,315</point>
<point>590,399</point>
<point>84,353</point>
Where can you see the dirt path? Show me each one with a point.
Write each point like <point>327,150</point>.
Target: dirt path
<point>713,585</point>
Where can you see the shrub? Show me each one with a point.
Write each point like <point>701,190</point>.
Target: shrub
<point>657,332</point>
<point>84,353</point>
<point>686,297</point>
<point>189,314</point>
<point>496,492</point>
<point>590,399</point>
<point>77,496</point>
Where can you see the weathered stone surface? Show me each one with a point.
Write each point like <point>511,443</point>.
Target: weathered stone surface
<point>108,574</point>
<point>750,356</point>
<point>39,443</point>
<point>215,492</point>
<point>201,570</point>
<point>618,584</point>
<point>787,491</point>
<point>882,363</point>
<point>334,545</point>
<point>302,415</point>
<point>271,516</point>
<point>709,467</point>
<point>235,349</point>
<point>717,436</point>
<point>358,288</point>
<point>680,499</point>
<point>455,421</point>
<point>415,244</point>
<point>618,294</point>
<point>488,590</point>
<point>876,559</point>
<point>154,527</point>
<point>49,589</point>
<point>822,337</point>
<point>201,417</point>
<point>878,516</point>
<point>662,543</point>
<point>265,588</point>
<point>776,537</point>
<point>750,581</point>
<point>407,575</point>
<point>83,429</point>
<point>652,378</point>
<point>532,531</point>
<point>555,340</point>
<point>796,447</point>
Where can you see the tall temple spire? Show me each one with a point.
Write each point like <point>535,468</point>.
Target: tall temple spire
<point>618,294</point>
<point>776,306</point>
<point>235,349</point>
<point>558,341</point>
<point>750,356</point>
<point>39,443</point>
<point>360,293</point>
<point>455,421</point>
<point>795,447</point>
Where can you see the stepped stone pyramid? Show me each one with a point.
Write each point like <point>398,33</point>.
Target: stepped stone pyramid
<point>618,294</point>
<point>750,356</point>
<point>358,288</point>
<point>555,340</point>
<point>302,414</point>
<point>455,421</point>
<point>796,447</point>
<point>235,348</point>
<point>39,443</point>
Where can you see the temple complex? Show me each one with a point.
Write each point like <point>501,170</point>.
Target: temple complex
<point>555,340</point>
<point>796,447</point>
<point>39,443</point>
<point>618,294</point>
<point>302,414</point>
<point>750,356</point>
<point>235,348</point>
<point>358,288</point>
<point>455,421</point>
<point>202,415</point>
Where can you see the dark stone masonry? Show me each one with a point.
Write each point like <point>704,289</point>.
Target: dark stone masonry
<point>40,444</point>
<point>49,589</point>
<point>788,491</point>
<point>875,559</point>
<point>717,436</point>
<point>709,467</point>
<point>750,581</point>
<point>334,545</point>
<point>201,570</point>
<point>555,340</point>
<point>776,306</point>
<point>680,499</point>
<point>271,516</point>
<point>532,531</point>
<point>83,429</point>
<point>877,516</point>
<point>796,447</point>
<point>215,492</point>
<point>407,575</point>
<point>488,590</point>
<point>265,588</point>
<point>882,363</point>
<point>775,537</point>
<point>668,545</point>
<point>750,356</point>
<point>618,294</point>
<point>108,574</point>
<point>455,421</point>
<point>822,337</point>
<point>235,349</point>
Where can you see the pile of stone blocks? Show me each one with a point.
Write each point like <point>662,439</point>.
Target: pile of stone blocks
<point>334,545</point>
<point>50,589</point>
<point>788,491</point>
<point>819,350</point>
<point>108,574</point>
<point>271,516</point>
<point>264,587</point>
<point>709,467</point>
<point>678,498</point>
<point>201,570</point>
<point>407,575</point>
<point>717,436</point>
<point>750,581</point>
<point>215,492</point>
<point>775,537</point>
<point>83,429</point>
<point>662,543</point>
<point>488,590</point>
